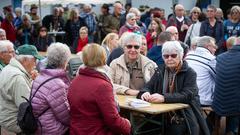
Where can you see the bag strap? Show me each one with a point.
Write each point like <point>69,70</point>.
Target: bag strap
<point>31,96</point>
<point>191,30</point>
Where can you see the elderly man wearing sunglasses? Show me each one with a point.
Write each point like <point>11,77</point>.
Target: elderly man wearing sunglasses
<point>131,71</point>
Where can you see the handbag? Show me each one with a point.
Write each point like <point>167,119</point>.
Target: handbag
<point>176,124</point>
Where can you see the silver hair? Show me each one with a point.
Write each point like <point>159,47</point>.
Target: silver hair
<point>4,44</point>
<point>171,46</point>
<point>172,28</point>
<point>21,58</point>
<point>194,40</point>
<point>2,31</point>
<point>26,16</point>
<point>135,11</point>
<point>204,40</point>
<point>87,6</point>
<point>130,16</point>
<point>58,54</point>
<point>129,37</point>
<point>18,9</point>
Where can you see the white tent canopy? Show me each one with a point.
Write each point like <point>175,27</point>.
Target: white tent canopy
<point>64,2</point>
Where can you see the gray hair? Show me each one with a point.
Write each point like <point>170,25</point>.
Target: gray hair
<point>204,40</point>
<point>129,36</point>
<point>87,6</point>
<point>26,16</point>
<point>235,8</point>
<point>21,58</point>
<point>212,7</point>
<point>171,46</point>
<point>130,16</point>
<point>172,28</point>
<point>2,31</point>
<point>135,11</point>
<point>194,40</point>
<point>18,9</point>
<point>165,36</point>
<point>58,54</point>
<point>4,44</point>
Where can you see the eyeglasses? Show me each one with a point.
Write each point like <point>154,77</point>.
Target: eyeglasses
<point>43,30</point>
<point>131,46</point>
<point>166,56</point>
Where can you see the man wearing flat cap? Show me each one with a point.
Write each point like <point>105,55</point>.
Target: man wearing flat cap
<point>16,79</point>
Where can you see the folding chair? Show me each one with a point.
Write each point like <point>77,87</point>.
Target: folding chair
<point>73,66</point>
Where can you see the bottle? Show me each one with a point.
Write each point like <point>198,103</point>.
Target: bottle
<point>50,28</point>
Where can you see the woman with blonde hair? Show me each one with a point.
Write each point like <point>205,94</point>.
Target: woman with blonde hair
<point>110,42</point>
<point>92,103</point>
<point>81,41</point>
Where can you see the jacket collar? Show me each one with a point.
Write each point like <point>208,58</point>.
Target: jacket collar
<point>15,63</point>
<point>93,73</point>
<point>235,48</point>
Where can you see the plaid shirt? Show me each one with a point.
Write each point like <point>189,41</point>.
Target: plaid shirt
<point>90,21</point>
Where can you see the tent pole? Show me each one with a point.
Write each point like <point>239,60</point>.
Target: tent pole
<point>39,5</point>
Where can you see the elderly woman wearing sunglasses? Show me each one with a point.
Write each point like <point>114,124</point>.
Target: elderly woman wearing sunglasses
<point>175,82</point>
<point>131,71</point>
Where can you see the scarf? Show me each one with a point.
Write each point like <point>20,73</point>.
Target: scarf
<point>81,44</point>
<point>169,79</point>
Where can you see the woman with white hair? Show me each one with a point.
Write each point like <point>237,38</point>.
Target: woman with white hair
<point>25,34</point>
<point>50,103</point>
<point>175,82</point>
<point>130,25</point>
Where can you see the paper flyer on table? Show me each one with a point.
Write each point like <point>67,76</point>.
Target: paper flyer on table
<point>137,103</point>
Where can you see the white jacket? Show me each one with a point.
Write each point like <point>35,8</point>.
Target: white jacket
<point>204,63</point>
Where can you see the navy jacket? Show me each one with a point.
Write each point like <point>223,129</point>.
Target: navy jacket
<point>226,99</point>
<point>155,54</point>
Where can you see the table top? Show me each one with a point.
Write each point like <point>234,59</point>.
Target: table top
<point>153,109</point>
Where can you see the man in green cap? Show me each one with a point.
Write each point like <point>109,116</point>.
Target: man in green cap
<point>16,79</point>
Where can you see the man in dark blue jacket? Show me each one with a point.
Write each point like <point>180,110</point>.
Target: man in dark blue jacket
<point>155,53</point>
<point>226,101</point>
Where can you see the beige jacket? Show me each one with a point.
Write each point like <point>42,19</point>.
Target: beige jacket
<point>15,82</point>
<point>121,77</point>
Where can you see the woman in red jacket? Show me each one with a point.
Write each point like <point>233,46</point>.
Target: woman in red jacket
<point>93,110</point>
<point>156,28</point>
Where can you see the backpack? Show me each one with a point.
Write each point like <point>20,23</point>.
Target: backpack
<point>25,118</point>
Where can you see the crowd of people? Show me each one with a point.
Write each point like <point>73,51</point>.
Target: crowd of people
<point>186,58</point>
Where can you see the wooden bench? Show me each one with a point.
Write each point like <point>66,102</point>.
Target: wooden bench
<point>218,122</point>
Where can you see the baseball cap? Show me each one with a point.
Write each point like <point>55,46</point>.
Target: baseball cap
<point>28,50</point>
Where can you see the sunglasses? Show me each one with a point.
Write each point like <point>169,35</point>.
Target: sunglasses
<point>131,46</point>
<point>196,13</point>
<point>166,56</point>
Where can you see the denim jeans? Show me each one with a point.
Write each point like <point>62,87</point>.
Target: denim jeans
<point>232,124</point>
